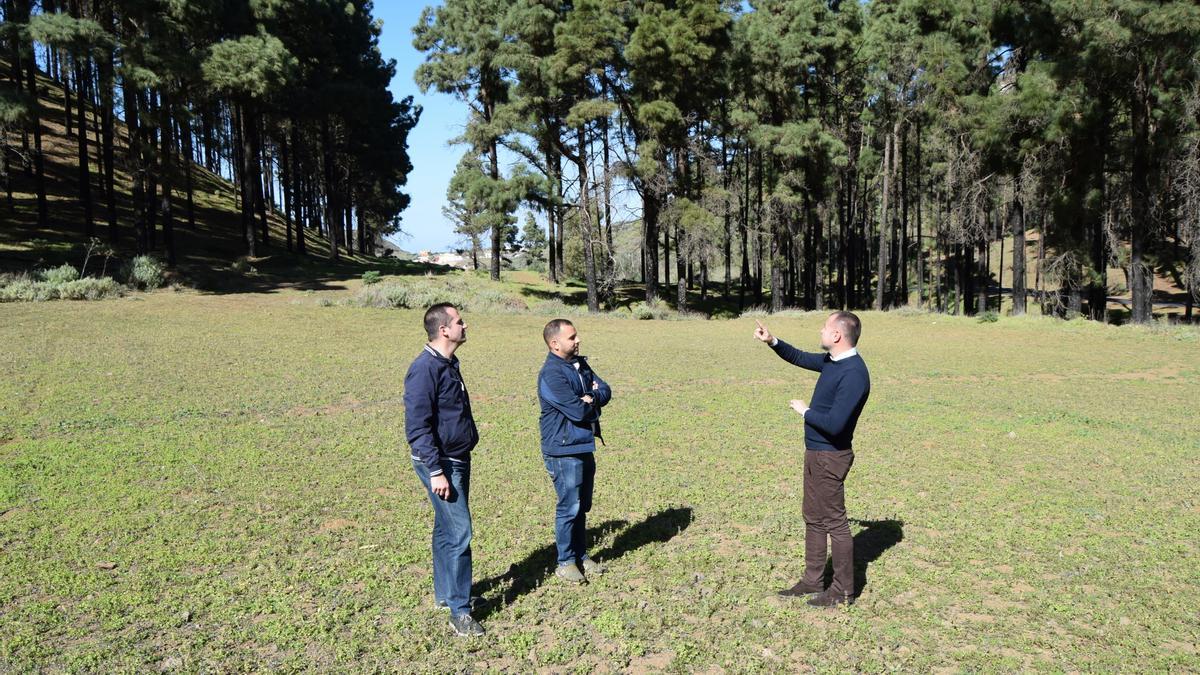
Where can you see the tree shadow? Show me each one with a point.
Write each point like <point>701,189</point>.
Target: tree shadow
<point>525,576</point>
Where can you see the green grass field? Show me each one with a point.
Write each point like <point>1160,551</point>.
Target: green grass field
<point>220,483</point>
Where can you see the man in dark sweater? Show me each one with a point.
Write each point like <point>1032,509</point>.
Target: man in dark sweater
<point>571,396</point>
<point>838,399</point>
<point>441,431</point>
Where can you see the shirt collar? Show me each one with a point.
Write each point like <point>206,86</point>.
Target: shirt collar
<point>853,351</point>
<point>430,348</point>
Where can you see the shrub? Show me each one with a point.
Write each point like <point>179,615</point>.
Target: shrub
<point>59,275</point>
<point>371,277</point>
<point>646,312</point>
<point>90,288</point>
<point>23,288</point>
<point>909,310</point>
<point>145,272</point>
<point>464,290</point>
<point>556,307</point>
<point>989,317</point>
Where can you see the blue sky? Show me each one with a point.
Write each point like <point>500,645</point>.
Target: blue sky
<point>428,145</point>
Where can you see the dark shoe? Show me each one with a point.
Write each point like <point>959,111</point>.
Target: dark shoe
<point>802,589</point>
<point>465,626</point>
<point>831,599</point>
<point>569,573</point>
<point>476,603</point>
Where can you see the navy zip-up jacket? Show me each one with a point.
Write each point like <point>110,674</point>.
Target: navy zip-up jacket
<point>837,400</point>
<point>437,411</point>
<point>569,425</point>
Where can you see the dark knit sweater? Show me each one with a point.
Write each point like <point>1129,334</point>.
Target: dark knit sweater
<point>837,400</point>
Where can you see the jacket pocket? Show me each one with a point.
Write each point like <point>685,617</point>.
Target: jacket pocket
<point>573,434</point>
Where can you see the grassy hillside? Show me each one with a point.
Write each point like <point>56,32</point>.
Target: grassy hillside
<point>220,482</point>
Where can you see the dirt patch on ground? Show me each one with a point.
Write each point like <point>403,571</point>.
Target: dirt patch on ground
<point>336,524</point>
<point>652,663</point>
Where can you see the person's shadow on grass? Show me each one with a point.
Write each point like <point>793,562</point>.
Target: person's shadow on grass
<point>539,565</point>
<point>875,537</point>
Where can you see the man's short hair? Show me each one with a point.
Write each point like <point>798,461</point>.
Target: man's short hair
<point>436,317</point>
<point>850,325</point>
<point>553,328</point>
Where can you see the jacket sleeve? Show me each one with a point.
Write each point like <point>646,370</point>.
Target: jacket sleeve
<point>850,393</point>
<point>603,394</point>
<point>806,360</point>
<point>420,416</point>
<point>554,388</point>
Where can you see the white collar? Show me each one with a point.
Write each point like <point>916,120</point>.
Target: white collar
<point>435,351</point>
<point>853,351</point>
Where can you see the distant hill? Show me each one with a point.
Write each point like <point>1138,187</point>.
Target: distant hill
<point>210,255</point>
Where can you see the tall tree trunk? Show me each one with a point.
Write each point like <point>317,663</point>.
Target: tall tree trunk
<point>551,244</point>
<point>666,244</point>
<point>585,224</point>
<point>134,160</point>
<point>82,75</point>
<point>168,154</point>
<point>108,116</point>
<point>36,122</point>
<point>150,141</point>
<point>255,178</point>
<point>881,269</point>
<point>920,237</point>
<point>498,230</point>
<point>286,185</point>
<point>902,298</point>
<point>560,219</point>
<point>650,212</point>
<point>1018,261</point>
<point>245,117</point>
<point>744,233</point>
<point>610,259</point>
<point>332,219</point>
<point>1140,118</point>
<point>728,231</point>
<point>295,173</point>
<point>758,234</point>
<point>682,275</point>
<point>185,131</point>
<point>56,73</point>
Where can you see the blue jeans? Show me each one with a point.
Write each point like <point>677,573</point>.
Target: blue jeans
<point>451,536</point>
<point>574,478</point>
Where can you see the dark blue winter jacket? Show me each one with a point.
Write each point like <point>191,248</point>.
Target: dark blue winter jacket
<point>437,411</point>
<point>569,425</point>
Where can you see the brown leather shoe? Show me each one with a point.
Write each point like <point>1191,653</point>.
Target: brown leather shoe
<point>801,589</point>
<point>831,599</point>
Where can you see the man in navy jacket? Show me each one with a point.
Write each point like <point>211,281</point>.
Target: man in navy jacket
<point>837,401</point>
<point>441,431</point>
<point>571,397</point>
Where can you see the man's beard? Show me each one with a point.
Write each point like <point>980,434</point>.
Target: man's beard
<point>825,347</point>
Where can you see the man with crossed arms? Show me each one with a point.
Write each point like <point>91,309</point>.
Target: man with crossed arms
<point>571,396</point>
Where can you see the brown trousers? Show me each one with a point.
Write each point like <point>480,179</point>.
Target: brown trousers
<point>825,516</point>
